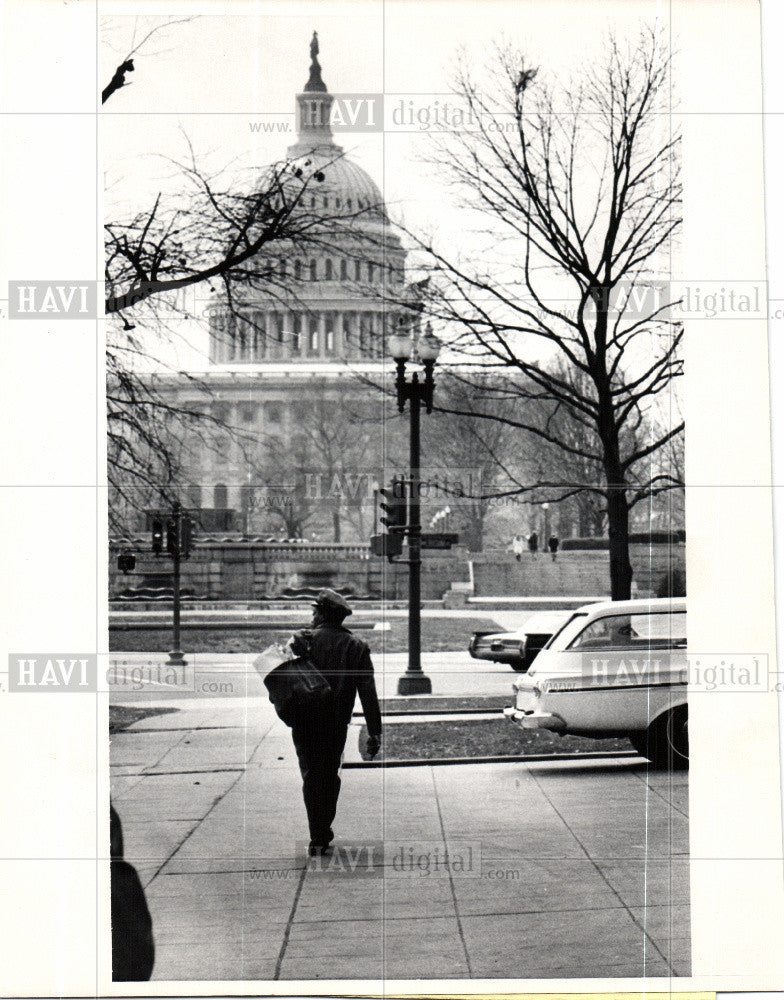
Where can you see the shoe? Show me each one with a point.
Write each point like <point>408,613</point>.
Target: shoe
<point>319,850</point>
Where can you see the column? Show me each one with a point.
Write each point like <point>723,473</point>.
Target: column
<point>357,334</point>
<point>338,328</point>
<point>272,334</point>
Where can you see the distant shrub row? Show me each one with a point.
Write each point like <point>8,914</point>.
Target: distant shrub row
<point>635,538</point>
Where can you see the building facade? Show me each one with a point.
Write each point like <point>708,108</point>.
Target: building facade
<point>292,384</point>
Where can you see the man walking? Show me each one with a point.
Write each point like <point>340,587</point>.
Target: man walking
<point>319,738</point>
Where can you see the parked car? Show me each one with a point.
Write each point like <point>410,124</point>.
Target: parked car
<point>616,668</point>
<point>519,648</point>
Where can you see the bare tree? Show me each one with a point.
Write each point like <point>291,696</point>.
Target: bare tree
<point>144,29</point>
<point>584,178</point>
<point>227,239</point>
<point>326,458</point>
<point>481,457</point>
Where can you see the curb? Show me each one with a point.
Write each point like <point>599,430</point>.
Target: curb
<point>500,759</point>
<point>246,625</point>
<point>401,712</point>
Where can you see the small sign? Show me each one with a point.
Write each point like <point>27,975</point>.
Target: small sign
<point>439,540</point>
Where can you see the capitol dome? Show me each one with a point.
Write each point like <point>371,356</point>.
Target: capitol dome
<point>335,294</point>
<point>346,185</point>
<point>344,180</point>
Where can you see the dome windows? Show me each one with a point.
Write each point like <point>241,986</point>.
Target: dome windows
<point>328,269</point>
<point>313,341</point>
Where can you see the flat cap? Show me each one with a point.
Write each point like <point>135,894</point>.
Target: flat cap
<point>332,600</point>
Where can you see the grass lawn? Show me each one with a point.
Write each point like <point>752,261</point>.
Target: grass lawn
<point>122,716</point>
<point>438,635</point>
<point>479,738</point>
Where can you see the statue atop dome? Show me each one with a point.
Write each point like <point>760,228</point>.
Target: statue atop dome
<point>315,84</point>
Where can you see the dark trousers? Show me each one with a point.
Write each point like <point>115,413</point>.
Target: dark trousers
<point>319,742</point>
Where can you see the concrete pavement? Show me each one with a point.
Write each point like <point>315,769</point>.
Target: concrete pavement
<point>576,868</point>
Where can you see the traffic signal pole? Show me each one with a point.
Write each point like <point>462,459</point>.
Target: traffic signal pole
<point>176,657</point>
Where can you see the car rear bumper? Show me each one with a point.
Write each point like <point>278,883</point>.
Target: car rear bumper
<point>496,656</point>
<point>534,720</point>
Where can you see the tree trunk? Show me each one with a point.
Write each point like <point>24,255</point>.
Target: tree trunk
<point>618,518</point>
<point>476,529</point>
<point>471,535</point>
<point>617,502</point>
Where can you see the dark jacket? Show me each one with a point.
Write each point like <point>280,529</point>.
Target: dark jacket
<point>133,948</point>
<point>345,661</point>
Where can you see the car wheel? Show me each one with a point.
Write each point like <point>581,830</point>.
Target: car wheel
<point>666,741</point>
<point>678,736</point>
<point>520,666</point>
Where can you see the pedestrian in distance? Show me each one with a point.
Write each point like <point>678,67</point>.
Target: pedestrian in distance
<point>320,735</point>
<point>517,547</point>
<point>533,542</point>
<point>553,546</point>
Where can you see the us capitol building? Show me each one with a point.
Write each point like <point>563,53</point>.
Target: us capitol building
<point>289,373</point>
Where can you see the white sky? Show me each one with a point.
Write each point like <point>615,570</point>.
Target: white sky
<point>211,78</point>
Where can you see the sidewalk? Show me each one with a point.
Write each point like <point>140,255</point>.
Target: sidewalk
<point>579,868</point>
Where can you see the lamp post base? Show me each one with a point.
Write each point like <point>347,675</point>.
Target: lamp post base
<point>414,682</point>
<point>176,659</point>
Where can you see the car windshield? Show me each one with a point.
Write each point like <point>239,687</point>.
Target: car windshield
<point>663,630</point>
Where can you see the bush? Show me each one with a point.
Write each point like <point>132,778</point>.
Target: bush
<point>635,538</point>
<point>584,543</point>
<point>672,584</point>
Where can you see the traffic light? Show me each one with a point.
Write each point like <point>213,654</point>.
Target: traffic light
<point>394,506</point>
<point>157,536</point>
<point>172,537</point>
<point>386,545</point>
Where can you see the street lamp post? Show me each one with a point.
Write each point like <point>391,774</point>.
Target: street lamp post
<point>414,681</point>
